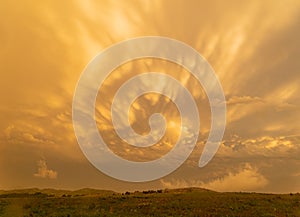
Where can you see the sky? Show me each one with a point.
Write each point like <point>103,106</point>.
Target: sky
<point>253,47</point>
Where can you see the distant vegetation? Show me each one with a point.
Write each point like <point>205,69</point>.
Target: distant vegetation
<point>177,202</point>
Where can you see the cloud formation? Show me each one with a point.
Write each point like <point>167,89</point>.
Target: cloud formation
<point>253,47</point>
<point>247,179</point>
<point>43,171</point>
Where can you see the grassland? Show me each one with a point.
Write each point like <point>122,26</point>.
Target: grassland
<point>179,202</point>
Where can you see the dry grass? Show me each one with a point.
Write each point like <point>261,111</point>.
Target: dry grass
<point>180,202</point>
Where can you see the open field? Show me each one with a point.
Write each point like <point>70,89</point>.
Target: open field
<point>179,202</point>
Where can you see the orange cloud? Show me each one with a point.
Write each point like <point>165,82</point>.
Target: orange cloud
<point>44,172</point>
<point>247,179</point>
<point>253,47</point>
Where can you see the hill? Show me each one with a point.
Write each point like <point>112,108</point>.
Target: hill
<point>169,202</point>
<point>54,192</point>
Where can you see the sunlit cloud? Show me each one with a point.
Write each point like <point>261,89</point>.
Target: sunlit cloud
<point>252,46</point>
<point>43,171</point>
<point>247,179</point>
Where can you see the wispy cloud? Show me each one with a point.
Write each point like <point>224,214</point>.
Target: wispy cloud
<point>44,172</point>
<point>254,53</point>
<point>243,100</point>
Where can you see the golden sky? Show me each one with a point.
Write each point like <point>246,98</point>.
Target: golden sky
<point>253,46</point>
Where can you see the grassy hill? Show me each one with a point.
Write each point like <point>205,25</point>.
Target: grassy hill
<point>168,202</point>
<point>33,192</point>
